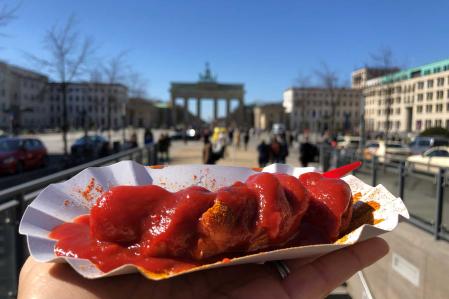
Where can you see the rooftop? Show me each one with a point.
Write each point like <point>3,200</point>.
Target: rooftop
<point>424,70</point>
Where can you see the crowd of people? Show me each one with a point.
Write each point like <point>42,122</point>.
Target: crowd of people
<point>214,150</point>
<point>274,149</point>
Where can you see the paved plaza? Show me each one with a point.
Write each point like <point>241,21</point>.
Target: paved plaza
<point>191,153</point>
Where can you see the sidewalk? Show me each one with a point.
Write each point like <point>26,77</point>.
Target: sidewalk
<point>191,153</point>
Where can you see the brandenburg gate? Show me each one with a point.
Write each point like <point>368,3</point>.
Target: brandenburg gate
<point>207,88</point>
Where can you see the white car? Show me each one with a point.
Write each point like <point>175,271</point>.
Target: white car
<point>386,152</point>
<point>431,160</point>
<point>345,142</point>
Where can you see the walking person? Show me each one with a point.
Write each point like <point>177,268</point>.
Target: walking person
<point>275,149</point>
<point>307,152</point>
<point>245,140</point>
<point>208,153</point>
<point>237,139</point>
<point>133,140</point>
<point>263,152</point>
<point>283,150</point>
<point>148,137</point>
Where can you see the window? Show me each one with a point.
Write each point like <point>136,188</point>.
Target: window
<point>437,153</point>
<point>428,123</point>
<point>439,108</point>
<point>398,124</point>
<point>438,123</point>
<point>420,85</point>
<point>419,108</point>
<point>440,81</point>
<point>398,110</point>
<point>429,83</point>
<point>428,108</point>
<point>440,94</point>
<point>398,100</point>
<point>418,124</point>
<point>447,123</point>
<point>420,97</point>
<point>429,96</point>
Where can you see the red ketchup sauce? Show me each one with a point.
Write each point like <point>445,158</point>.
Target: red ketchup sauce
<point>164,232</point>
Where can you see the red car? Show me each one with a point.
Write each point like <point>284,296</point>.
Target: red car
<point>19,154</point>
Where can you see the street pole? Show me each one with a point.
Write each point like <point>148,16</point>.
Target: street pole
<point>362,123</point>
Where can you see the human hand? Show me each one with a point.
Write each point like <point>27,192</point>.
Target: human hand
<point>313,279</point>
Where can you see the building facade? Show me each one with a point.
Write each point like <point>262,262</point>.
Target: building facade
<point>361,76</point>
<point>319,109</point>
<point>408,101</point>
<point>144,113</point>
<point>88,104</point>
<point>22,99</point>
<point>267,115</point>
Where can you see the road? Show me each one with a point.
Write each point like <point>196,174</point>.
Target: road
<point>53,143</point>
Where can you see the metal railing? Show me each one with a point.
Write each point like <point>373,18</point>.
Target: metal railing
<point>14,200</point>
<point>422,187</point>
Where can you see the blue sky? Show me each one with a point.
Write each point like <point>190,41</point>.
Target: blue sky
<point>263,44</point>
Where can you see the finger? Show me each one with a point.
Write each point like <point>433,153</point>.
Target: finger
<point>320,277</point>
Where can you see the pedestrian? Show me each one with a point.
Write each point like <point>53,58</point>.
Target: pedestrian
<point>237,139</point>
<point>184,136</point>
<point>231,134</point>
<point>275,149</point>
<point>219,148</point>
<point>283,150</point>
<point>307,152</point>
<point>245,139</point>
<point>148,137</point>
<point>163,147</point>
<point>263,152</point>
<point>208,154</point>
<point>133,140</point>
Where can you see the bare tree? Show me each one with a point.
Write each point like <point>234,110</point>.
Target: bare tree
<point>114,72</point>
<point>7,14</point>
<point>384,59</point>
<point>137,85</point>
<point>68,54</point>
<point>331,83</point>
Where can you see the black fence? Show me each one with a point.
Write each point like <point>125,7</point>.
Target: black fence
<point>14,200</point>
<point>424,188</point>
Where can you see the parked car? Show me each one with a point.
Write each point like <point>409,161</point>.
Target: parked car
<point>90,146</point>
<point>421,144</point>
<point>431,160</point>
<point>348,142</point>
<point>18,154</point>
<point>193,134</point>
<point>176,134</point>
<point>386,152</point>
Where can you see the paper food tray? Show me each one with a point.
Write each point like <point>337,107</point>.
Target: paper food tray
<point>59,203</point>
